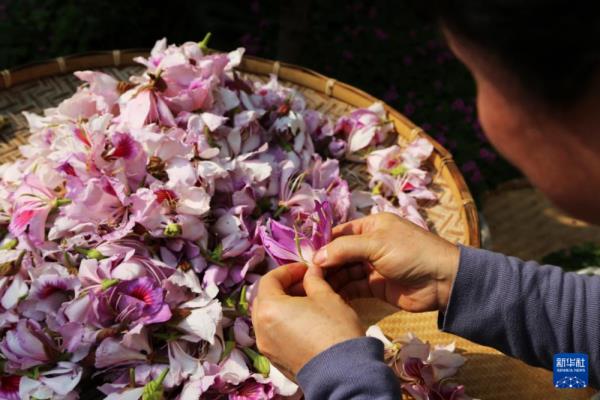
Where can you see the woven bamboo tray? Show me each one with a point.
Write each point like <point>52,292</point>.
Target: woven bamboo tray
<point>548,229</point>
<point>488,374</point>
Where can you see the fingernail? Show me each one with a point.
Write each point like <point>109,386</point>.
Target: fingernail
<point>320,257</point>
<point>315,271</point>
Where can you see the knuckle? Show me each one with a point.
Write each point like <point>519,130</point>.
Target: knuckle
<point>376,243</point>
<point>373,238</point>
<point>335,250</point>
<point>333,247</point>
<point>383,216</point>
<point>390,218</point>
<point>266,313</point>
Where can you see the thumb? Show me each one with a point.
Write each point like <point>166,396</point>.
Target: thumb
<point>344,250</point>
<point>314,283</point>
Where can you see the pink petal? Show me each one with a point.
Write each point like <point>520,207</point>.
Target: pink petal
<point>111,353</point>
<point>361,138</point>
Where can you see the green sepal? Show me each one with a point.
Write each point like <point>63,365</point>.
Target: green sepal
<point>227,349</point>
<point>398,170</point>
<point>229,302</point>
<point>108,283</point>
<point>12,267</point>
<point>93,254</point>
<point>216,254</point>
<point>153,389</point>
<point>60,202</point>
<point>33,373</point>
<point>259,362</point>
<point>167,336</point>
<point>376,189</point>
<point>243,306</point>
<point>10,244</point>
<point>131,377</point>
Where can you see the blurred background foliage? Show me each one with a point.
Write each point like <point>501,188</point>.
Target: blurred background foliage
<point>585,255</point>
<point>378,46</point>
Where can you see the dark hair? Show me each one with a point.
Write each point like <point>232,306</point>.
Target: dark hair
<point>552,46</point>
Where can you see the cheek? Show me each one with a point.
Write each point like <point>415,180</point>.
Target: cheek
<point>494,122</point>
<point>503,126</point>
<point>510,131</point>
<point>506,126</point>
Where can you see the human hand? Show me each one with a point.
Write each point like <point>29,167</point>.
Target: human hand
<point>291,330</point>
<point>387,257</point>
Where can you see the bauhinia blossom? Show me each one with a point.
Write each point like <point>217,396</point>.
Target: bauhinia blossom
<point>135,301</point>
<point>58,383</point>
<point>301,242</point>
<point>364,127</point>
<point>27,345</point>
<point>423,370</point>
<point>32,204</point>
<point>138,220</point>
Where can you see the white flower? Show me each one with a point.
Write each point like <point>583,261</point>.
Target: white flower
<point>58,383</point>
<point>202,322</point>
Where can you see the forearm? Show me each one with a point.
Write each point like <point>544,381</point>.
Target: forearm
<point>350,370</point>
<point>524,309</point>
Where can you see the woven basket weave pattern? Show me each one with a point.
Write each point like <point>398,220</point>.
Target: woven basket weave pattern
<point>548,229</point>
<point>34,96</point>
<point>488,374</point>
<point>444,217</point>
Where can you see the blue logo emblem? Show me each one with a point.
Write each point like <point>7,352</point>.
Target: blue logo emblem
<point>570,370</point>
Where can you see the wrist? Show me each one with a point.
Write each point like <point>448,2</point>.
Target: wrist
<point>324,337</point>
<point>448,269</point>
<point>327,351</point>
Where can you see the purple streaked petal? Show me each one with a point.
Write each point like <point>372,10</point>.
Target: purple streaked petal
<point>241,332</point>
<point>279,253</point>
<point>112,353</point>
<point>26,345</point>
<point>283,235</point>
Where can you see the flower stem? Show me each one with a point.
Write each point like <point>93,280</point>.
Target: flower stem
<point>204,43</point>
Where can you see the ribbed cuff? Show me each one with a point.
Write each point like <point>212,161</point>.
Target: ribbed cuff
<point>363,348</point>
<point>351,369</point>
<point>470,295</point>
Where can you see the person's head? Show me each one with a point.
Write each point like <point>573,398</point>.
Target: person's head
<point>537,68</point>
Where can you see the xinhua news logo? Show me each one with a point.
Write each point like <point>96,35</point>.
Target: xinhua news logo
<point>570,370</point>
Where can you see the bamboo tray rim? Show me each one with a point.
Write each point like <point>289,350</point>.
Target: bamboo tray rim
<point>261,66</point>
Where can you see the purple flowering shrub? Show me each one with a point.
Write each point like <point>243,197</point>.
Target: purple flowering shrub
<point>141,215</point>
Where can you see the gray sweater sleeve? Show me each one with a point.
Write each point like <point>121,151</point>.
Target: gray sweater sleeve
<point>353,369</point>
<point>524,309</point>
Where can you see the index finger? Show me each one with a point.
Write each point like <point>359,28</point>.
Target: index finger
<point>354,227</point>
<point>280,279</point>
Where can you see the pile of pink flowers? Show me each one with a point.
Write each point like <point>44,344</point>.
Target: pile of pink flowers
<point>141,214</point>
<point>425,372</point>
